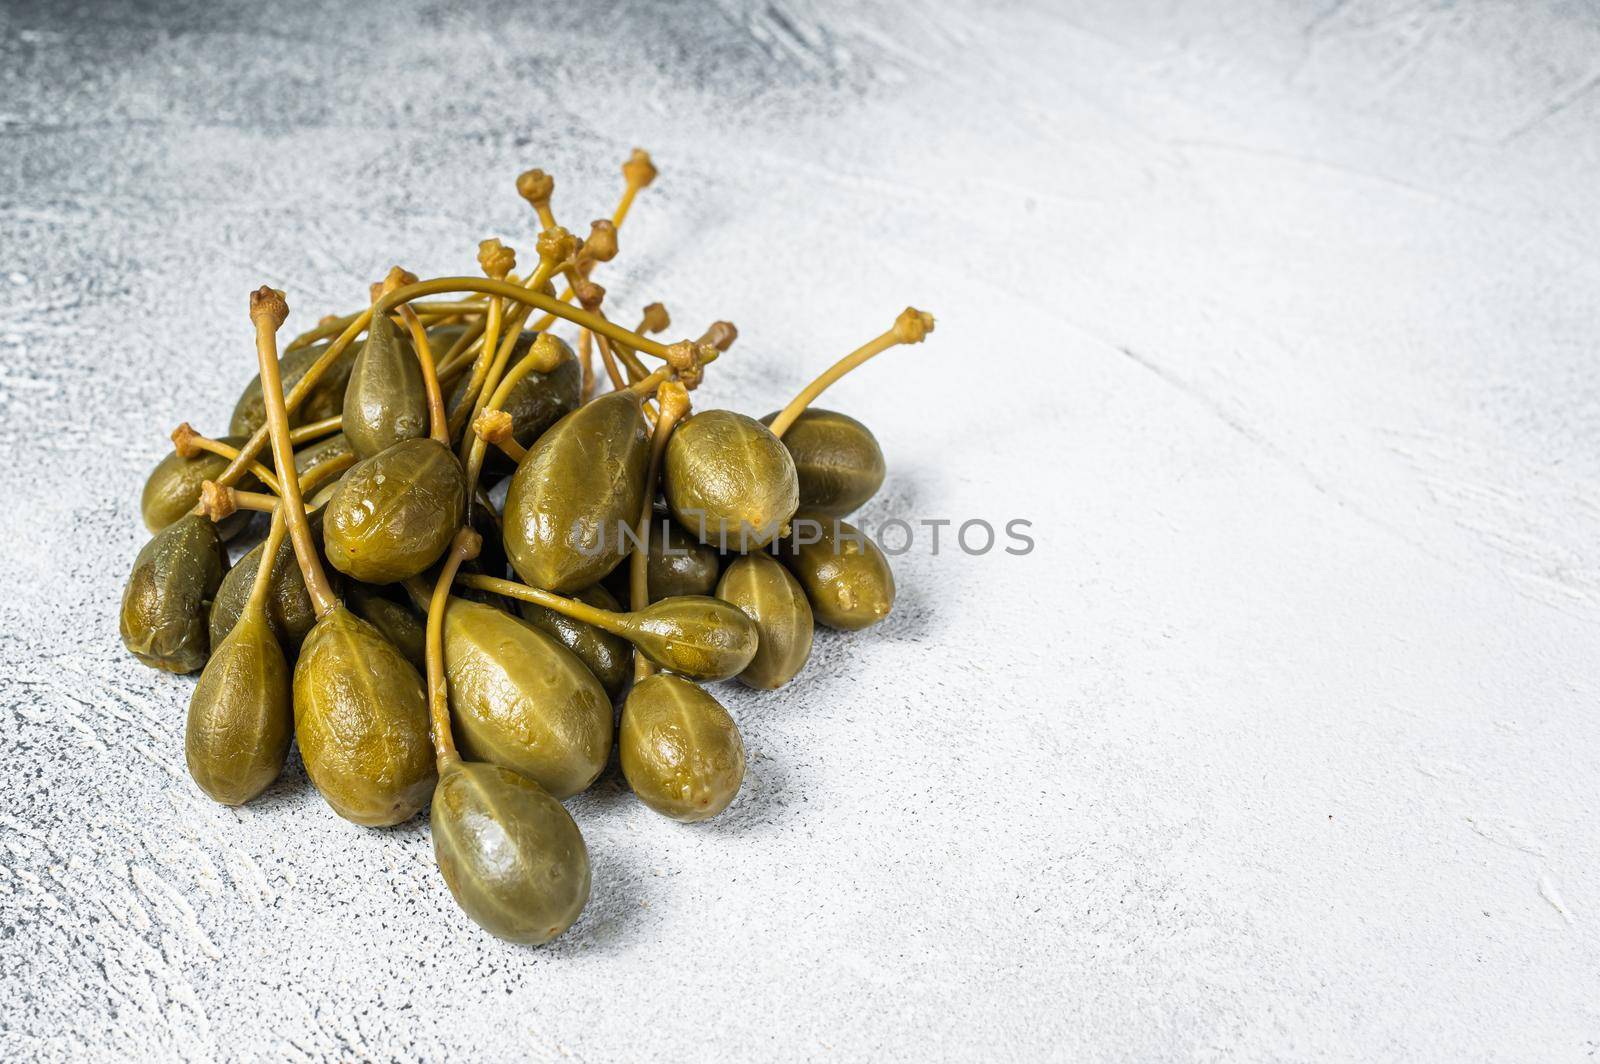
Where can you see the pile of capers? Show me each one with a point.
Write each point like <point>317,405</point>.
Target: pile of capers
<point>427,646</point>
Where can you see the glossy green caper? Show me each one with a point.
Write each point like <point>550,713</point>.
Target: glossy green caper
<point>608,657</point>
<point>397,623</point>
<point>393,514</point>
<point>580,484</point>
<point>701,637</point>
<point>519,698</point>
<point>535,402</point>
<point>681,751</point>
<point>173,488</point>
<point>290,614</point>
<point>361,718</point>
<point>771,597</point>
<point>844,574</point>
<point>325,399</point>
<point>729,480</point>
<point>240,715</point>
<point>836,458</point>
<point>312,455</point>
<point>676,564</point>
<point>385,402</point>
<point>163,615</point>
<point>509,852</point>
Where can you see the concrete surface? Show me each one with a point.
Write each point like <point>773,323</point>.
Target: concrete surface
<point>1279,323</point>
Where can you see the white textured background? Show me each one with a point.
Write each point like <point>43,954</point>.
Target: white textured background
<point>1280,321</point>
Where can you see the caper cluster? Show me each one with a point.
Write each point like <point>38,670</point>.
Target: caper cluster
<point>426,647</point>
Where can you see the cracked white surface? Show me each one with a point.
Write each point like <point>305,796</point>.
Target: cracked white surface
<point>1278,320</point>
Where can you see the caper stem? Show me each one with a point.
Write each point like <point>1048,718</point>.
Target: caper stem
<point>222,450</point>
<point>911,327</point>
<point>439,427</point>
<point>277,426</point>
<point>463,547</point>
<point>269,555</point>
<point>798,404</point>
<point>296,396</point>
<point>606,620</point>
<point>315,430</point>
<point>673,399</point>
<point>334,326</point>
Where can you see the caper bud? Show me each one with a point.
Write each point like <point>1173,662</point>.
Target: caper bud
<point>384,402</point>
<point>729,480</point>
<point>509,852</point>
<point>681,752</point>
<point>240,719</point>
<point>520,699</point>
<point>173,488</point>
<point>773,599</point>
<point>163,616</point>
<point>580,483</point>
<point>393,514</point>
<point>361,718</point>
<point>843,572</point>
<point>836,458</point>
<point>608,657</point>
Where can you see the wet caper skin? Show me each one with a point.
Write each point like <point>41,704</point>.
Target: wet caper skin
<point>163,615</point>
<point>361,718</point>
<point>837,459</point>
<point>290,614</point>
<point>729,480</point>
<point>384,401</point>
<point>325,400</point>
<point>173,488</point>
<point>535,402</point>
<point>393,620</point>
<point>240,717</point>
<point>772,598</point>
<point>680,750</point>
<point>608,657</point>
<point>393,514</point>
<point>314,454</point>
<point>679,564</point>
<point>579,484</point>
<point>509,852</point>
<point>699,636</point>
<point>519,698</point>
<point>844,574</point>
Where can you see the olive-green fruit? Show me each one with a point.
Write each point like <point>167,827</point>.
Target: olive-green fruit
<point>535,402</point>
<point>491,559</point>
<point>325,400</point>
<point>397,623</point>
<point>774,600</point>
<point>385,402</point>
<point>173,488</point>
<point>580,484</point>
<point>509,852</point>
<point>701,637</point>
<point>729,480</point>
<point>837,459</point>
<point>163,617</point>
<point>676,564</point>
<point>843,572</point>
<point>519,698</point>
<point>681,752</point>
<point>394,513</point>
<point>312,455</point>
<point>240,715</point>
<point>608,657</point>
<point>361,718</point>
<point>290,614</point>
